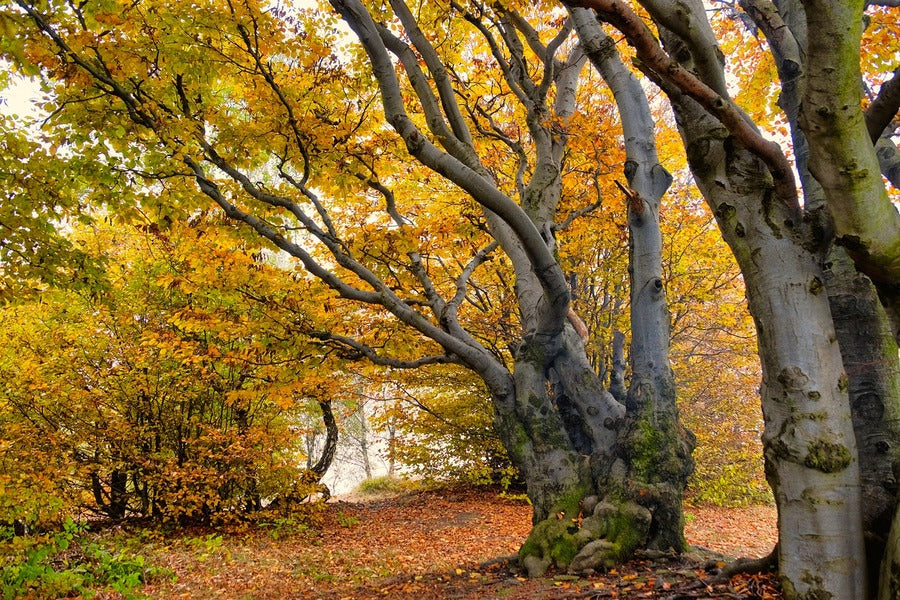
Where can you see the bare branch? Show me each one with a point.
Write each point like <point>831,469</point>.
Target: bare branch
<point>577,214</point>
<point>265,69</point>
<point>434,117</point>
<point>416,267</point>
<point>212,191</point>
<point>505,67</point>
<point>437,70</point>
<point>544,265</point>
<point>462,281</point>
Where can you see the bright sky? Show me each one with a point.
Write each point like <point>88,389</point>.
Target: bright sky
<point>18,98</point>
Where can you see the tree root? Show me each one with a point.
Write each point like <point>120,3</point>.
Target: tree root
<point>750,566</point>
<point>512,559</point>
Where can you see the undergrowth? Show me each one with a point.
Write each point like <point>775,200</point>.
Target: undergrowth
<point>67,563</point>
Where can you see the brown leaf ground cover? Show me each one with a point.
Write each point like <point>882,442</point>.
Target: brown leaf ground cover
<point>441,544</point>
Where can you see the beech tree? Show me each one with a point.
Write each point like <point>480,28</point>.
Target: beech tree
<point>231,110</point>
<point>826,343</point>
<point>274,116</point>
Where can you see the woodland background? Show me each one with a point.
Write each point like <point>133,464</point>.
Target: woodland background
<point>164,365</point>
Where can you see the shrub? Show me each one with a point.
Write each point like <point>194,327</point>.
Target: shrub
<point>65,563</point>
<point>386,484</point>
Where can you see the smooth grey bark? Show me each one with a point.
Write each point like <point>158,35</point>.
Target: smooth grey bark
<point>651,433</point>
<point>868,346</point>
<point>884,107</point>
<point>617,375</point>
<point>889,578</point>
<point>809,444</point>
<point>566,434</point>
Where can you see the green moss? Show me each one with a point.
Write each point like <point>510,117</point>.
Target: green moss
<point>563,550</point>
<point>826,456</point>
<point>626,532</point>
<point>645,449</point>
<point>554,537</point>
<point>844,383</point>
<point>654,453</point>
<point>816,286</point>
<point>550,539</point>
<point>816,591</point>
<point>533,354</point>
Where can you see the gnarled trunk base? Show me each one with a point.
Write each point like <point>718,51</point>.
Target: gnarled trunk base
<point>604,480</point>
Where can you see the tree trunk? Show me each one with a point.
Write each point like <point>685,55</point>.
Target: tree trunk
<point>870,358</point>
<point>868,345</point>
<point>331,440</point>
<point>617,374</point>
<point>392,440</point>
<point>568,437</point>
<point>809,444</point>
<point>364,439</point>
<point>653,445</point>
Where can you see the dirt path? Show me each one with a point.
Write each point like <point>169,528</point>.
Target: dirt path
<point>426,545</point>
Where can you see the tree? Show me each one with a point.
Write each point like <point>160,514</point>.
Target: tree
<point>247,131</point>
<point>493,115</point>
<point>781,245</point>
<point>169,394</point>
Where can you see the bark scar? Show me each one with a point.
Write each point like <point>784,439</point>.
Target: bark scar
<point>634,198</point>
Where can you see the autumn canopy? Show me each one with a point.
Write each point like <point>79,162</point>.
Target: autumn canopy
<point>500,208</point>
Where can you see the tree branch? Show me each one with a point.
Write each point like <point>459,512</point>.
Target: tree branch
<point>653,57</point>
<point>544,265</point>
<point>885,106</point>
<point>354,349</point>
<point>437,70</point>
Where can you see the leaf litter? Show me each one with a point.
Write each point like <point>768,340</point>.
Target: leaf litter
<point>450,544</point>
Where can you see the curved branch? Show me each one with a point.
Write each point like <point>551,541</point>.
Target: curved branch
<point>505,67</point>
<point>437,70</point>
<point>354,349</point>
<point>265,69</point>
<point>545,267</point>
<point>577,214</point>
<point>331,439</point>
<point>417,268</point>
<point>842,157</point>
<point>462,281</point>
<point>434,118</point>
<point>884,108</point>
<point>663,66</point>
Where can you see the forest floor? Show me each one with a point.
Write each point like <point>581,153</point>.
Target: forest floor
<point>442,544</point>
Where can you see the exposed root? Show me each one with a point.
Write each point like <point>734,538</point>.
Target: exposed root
<point>750,566</point>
